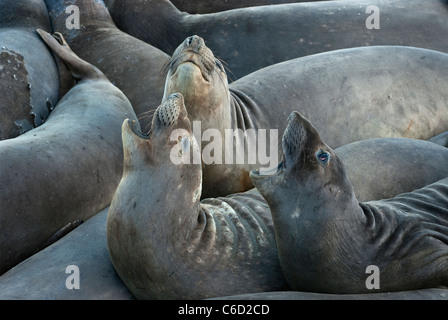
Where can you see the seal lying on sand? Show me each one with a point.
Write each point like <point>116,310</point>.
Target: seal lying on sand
<point>350,95</point>
<point>29,85</point>
<point>249,39</point>
<point>327,239</point>
<point>67,169</point>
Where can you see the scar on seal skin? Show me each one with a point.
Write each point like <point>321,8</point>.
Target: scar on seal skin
<point>13,69</point>
<point>326,238</point>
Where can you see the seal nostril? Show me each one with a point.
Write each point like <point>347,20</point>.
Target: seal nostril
<point>190,40</point>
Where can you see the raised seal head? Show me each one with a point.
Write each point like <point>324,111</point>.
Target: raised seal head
<point>200,77</point>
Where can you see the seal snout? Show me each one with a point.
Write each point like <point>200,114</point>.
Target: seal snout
<point>294,136</point>
<point>169,111</point>
<point>195,43</point>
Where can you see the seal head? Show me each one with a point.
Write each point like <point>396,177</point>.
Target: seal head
<point>306,160</point>
<point>200,77</point>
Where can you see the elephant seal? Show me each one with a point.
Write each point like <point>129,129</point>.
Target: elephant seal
<point>376,169</point>
<point>344,92</point>
<point>327,239</point>
<point>29,85</point>
<point>244,37</point>
<point>67,169</point>
<point>201,7</point>
<point>133,216</point>
<point>165,243</point>
<point>130,64</point>
<point>44,275</point>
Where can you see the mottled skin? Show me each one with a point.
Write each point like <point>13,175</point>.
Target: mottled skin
<point>350,95</point>
<point>249,39</point>
<point>167,244</point>
<point>67,169</point>
<point>130,64</point>
<point>326,238</point>
<point>29,86</point>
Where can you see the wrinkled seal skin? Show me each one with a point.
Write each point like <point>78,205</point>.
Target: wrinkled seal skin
<point>326,238</point>
<point>345,88</point>
<point>244,37</point>
<point>43,276</point>
<point>208,6</point>
<point>130,64</point>
<point>165,243</point>
<point>65,170</point>
<point>29,85</point>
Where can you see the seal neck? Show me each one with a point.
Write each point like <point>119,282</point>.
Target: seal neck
<point>159,21</point>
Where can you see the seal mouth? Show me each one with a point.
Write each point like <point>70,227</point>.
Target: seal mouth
<point>293,141</point>
<point>269,172</point>
<point>194,51</point>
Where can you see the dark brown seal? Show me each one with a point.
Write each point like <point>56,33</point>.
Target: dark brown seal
<point>67,169</point>
<point>344,92</point>
<point>327,240</point>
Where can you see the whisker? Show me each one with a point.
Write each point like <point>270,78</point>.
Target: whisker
<point>146,114</point>
<point>230,75</point>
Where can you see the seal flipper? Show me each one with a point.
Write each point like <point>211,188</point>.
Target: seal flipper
<point>66,81</point>
<point>80,69</point>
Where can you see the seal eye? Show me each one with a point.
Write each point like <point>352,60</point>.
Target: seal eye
<point>323,157</point>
